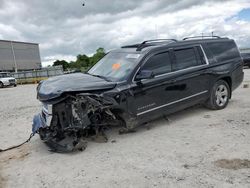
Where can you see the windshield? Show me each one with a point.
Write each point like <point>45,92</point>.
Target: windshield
<point>115,66</point>
<point>4,75</point>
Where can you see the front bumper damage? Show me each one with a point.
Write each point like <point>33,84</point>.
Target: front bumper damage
<point>68,125</point>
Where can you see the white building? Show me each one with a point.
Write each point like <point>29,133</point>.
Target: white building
<point>19,56</point>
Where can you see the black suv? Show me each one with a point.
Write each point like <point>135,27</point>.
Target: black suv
<point>136,84</point>
<point>246,59</point>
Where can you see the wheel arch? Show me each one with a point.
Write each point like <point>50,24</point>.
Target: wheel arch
<point>1,83</point>
<point>129,121</point>
<point>228,80</point>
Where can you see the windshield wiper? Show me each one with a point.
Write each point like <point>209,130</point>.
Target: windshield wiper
<point>99,76</point>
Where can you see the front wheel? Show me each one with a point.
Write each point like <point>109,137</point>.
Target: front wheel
<point>219,96</point>
<point>1,85</point>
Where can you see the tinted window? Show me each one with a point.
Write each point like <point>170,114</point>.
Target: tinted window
<point>159,64</point>
<point>4,75</point>
<point>185,58</point>
<point>224,51</point>
<point>199,56</point>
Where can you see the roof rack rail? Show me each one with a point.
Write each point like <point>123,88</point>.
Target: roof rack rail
<point>147,43</point>
<point>158,40</point>
<point>131,46</point>
<point>202,37</point>
<point>153,42</point>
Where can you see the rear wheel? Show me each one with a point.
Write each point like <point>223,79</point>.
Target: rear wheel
<point>1,85</point>
<point>219,96</point>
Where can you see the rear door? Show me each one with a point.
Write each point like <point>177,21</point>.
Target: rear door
<point>191,80</point>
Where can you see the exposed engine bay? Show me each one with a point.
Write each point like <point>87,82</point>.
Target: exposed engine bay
<point>76,120</point>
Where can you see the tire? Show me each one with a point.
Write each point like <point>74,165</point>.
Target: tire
<point>219,96</point>
<point>1,85</point>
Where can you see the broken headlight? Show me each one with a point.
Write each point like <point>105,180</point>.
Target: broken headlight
<point>47,108</point>
<point>47,113</point>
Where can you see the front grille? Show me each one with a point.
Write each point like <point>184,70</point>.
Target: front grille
<point>12,81</point>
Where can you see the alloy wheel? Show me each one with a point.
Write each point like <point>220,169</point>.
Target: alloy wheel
<point>221,95</point>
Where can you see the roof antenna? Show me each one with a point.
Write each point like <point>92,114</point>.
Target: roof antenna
<point>156,31</point>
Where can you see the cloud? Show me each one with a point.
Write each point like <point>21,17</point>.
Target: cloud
<point>66,28</point>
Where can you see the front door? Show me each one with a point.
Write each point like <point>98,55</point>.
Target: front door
<point>151,93</point>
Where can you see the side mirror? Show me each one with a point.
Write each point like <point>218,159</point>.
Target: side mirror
<point>144,74</point>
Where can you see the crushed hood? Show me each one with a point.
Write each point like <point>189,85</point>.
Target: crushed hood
<point>77,82</point>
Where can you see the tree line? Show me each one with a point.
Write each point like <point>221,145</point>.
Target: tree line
<point>83,62</point>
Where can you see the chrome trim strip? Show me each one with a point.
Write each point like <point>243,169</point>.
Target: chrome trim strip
<point>168,104</point>
<point>205,55</point>
<point>189,68</point>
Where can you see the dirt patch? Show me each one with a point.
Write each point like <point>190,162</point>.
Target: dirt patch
<point>2,180</point>
<point>233,164</point>
<point>15,154</point>
<point>7,157</point>
<point>245,85</point>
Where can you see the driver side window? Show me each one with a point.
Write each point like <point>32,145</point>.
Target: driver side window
<point>159,64</point>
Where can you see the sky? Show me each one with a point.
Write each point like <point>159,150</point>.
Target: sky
<point>65,28</point>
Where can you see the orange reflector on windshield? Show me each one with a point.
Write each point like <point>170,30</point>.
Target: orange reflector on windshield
<point>116,66</point>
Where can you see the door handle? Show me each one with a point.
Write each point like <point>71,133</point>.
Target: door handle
<point>170,81</point>
<point>173,81</point>
<point>208,72</point>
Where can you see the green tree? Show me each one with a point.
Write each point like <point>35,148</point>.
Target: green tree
<point>64,63</point>
<point>81,61</point>
<point>100,53</point>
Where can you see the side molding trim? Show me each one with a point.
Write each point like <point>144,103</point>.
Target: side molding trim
<point>168,104</point>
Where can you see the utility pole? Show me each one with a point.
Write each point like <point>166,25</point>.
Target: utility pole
<point>14,55</point>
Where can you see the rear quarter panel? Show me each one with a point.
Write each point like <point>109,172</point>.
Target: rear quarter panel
<point>225,62</point>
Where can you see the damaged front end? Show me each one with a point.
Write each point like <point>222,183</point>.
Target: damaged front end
<point>67,125</point>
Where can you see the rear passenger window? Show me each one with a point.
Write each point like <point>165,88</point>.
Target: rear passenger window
<point>159,64</point>
<point>224,51</point>
<point>186,58</point>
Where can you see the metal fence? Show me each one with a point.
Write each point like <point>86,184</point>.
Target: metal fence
<point>245,50</point>
<point>37,75</point>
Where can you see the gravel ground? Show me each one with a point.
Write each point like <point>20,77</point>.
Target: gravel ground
<point>196,147</point>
